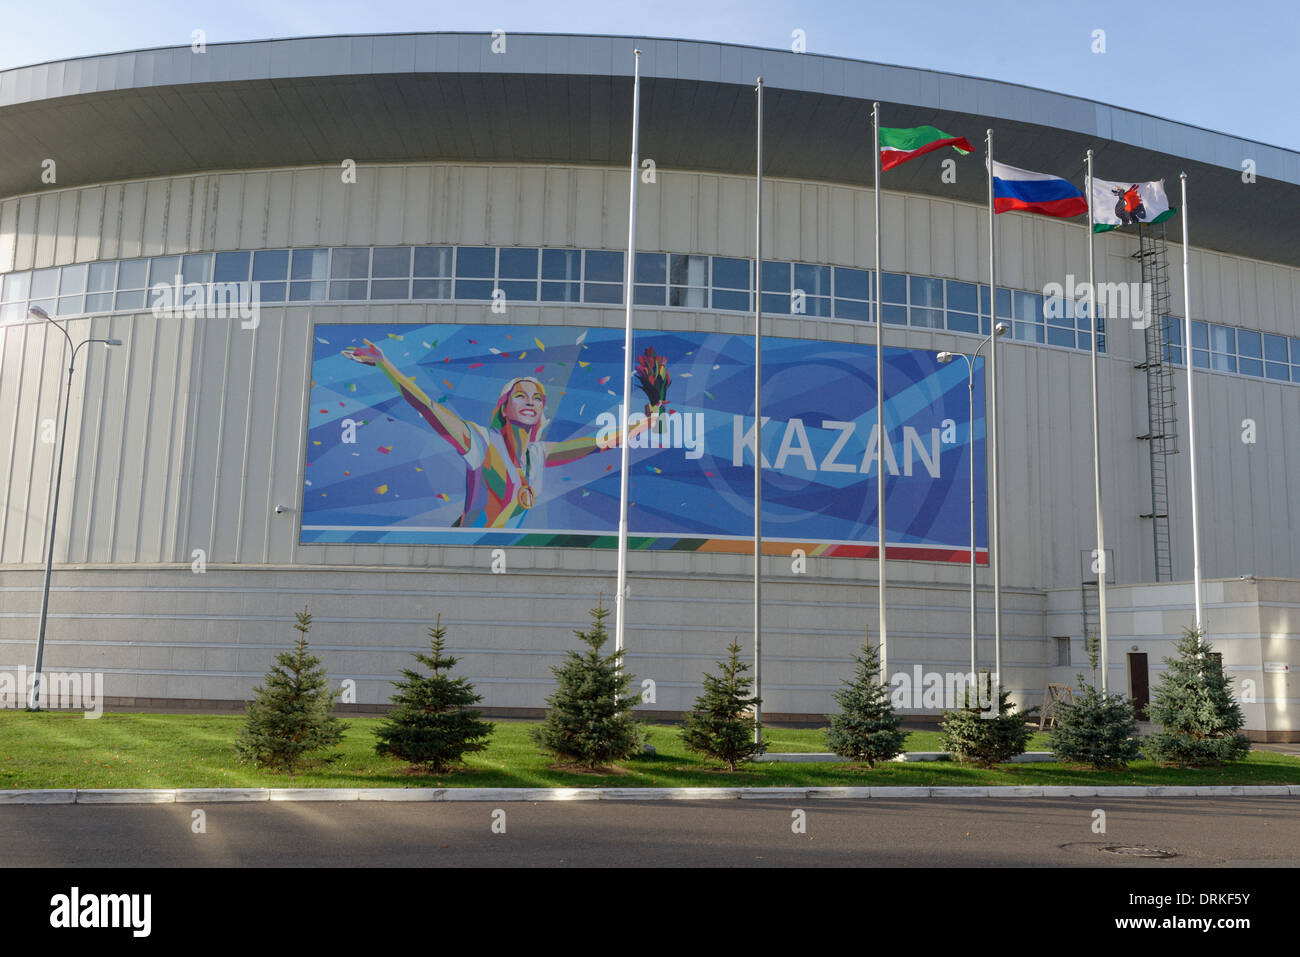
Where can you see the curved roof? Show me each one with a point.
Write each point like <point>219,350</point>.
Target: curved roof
<point>566,99</point>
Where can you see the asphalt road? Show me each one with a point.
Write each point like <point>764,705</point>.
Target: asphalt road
<point>1200,832</point>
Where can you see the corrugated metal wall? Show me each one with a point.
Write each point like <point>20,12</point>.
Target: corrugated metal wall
<point>188,436</point>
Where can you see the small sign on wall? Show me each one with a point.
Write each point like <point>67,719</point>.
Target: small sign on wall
<point>1276,668</point>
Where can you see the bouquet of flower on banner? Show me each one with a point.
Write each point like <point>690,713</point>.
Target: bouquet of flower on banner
<point>1128,204</point>
<point>652,374</point>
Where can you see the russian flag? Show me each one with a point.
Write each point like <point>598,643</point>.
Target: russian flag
<point>1019,190</point>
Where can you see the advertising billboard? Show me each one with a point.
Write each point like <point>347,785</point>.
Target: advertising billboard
<point>509,435</point>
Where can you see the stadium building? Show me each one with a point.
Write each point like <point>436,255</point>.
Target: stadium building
<point>435,227</point>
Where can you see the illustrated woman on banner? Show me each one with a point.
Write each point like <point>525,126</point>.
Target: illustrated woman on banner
<point>504,462</point>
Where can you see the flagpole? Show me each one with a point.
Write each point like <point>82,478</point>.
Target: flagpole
<point>758,424</point>
<point>620,600</point>
<point>1191,415</point>
<point>1096,451</point>
<point>993,433</point>
<point>881,438</point>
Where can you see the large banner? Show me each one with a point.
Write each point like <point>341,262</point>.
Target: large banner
<point>509,435</point>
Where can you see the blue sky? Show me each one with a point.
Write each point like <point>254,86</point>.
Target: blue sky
<point>1230,67</point>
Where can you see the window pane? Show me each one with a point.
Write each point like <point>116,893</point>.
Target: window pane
<point>390,289</point>
<point>274,291</point>
<point>231,267</point>
<point>1223,363</point>
<point>72,280</point>
<point>927,318</point>
<point>1057,336</point>
<point>18,284</point>
<point>306,291</point>
<point>1251,367</point>
<point>688,296</point>
<point>69,305</point>
<point>45,283</point>
<point>197,268</point>
<point>813,280</point>
<point>602,292</point>
<point>852,309</point>
<point>391,262</point>
<point>688,271</point>
<point>852,283</point>
<point>1173,332</point>
<point>1249,344</point>
<point>1200,359</point>
<point>431,289</point>
<point>649,295</point>
<point>776,303</point>
<point>476,289</point>
<point>927,292</point>
<point>130,300</point>
<point>1223,339</point>
<point>604,266</point>
<point>517,291</point>
<point>1275,370</point>
<point>651,268</point>
<point>518,264</point>
<point>269,264</point>
<point>731,274</point>
<point>776,277</point>
<point>895,315</point>
<point>1028,332</point>
<point>963,322</point>
<point>353,263</point>
<point>1004,302</point>
<point>306,264</point>
<point>561,292</point>
<point>1029,307</point>
<point>727,299</point>
<point>164,269</point>
<point>1200,335</point>
<point>433,261</point>
<point>963,296</point>
<point>1295,352</point>
<point>1275,348</point>
<point>475,261</point>
<point>817,306</point>
<point>894,289</point>
<point>99,302</point>
<point>562,264</point>
<point>350,290</point>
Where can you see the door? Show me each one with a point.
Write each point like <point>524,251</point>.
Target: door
<point>1139,690</point>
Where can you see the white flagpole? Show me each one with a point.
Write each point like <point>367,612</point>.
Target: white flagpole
<point>758,425</point>
<point>620,601</point>
<point>1191,414</point>
<point>881,437</point>
<point>993,434</point>
<point>1096,452</point>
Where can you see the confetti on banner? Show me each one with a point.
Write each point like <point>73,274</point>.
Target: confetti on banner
<point>446,358</point>
<point>395,337</point>
<point>352,387</point>
<point>717,367</point>
<point>523,355</point>
<point>418,469</point>
<point>602,380</point>
<point>444,496</point>
<point>476,365</point>
<point>538,370</point>
<point>435,344</point>
<point>473,342</point>
<point>442,398</point>
<point>685,375</point>
<point>448,385</point>
<point>583,365</point>
<point>655,469</point>
<point>608,467</point>
<point>561,363</point>
<point>341,405</point>
<point>426,345</point>
<point>324,411</point>
<point>709,394</point>
<point>585,493</point>
<point>385,449</point>
<point>347,474</point>
<point>539,343</point>
<point>324,342</point>
<point>581,339</point>
<point>508,336</point>
<point>709,474</point>
<point>494,350</point>
<point>315,441</point>
<point>381,490</point>
<point>611,392</point>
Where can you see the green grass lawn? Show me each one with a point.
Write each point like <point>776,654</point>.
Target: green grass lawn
<point>52,750</point>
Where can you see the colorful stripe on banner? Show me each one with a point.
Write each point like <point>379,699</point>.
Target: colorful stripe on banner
<point>1024,191</point>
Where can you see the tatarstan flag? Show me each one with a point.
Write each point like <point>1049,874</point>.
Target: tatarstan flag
<point>897,146</point>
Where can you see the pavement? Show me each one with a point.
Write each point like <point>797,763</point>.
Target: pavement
<point>1253,831</point>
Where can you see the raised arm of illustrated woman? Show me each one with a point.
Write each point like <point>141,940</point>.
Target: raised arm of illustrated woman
<point>445,422</point>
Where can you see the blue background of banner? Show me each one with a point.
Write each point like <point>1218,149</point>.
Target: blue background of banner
<point>673,497</point>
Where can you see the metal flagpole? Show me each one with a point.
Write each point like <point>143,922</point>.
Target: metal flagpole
<point>881,438</point>
<point>993,434</point>
<point>758,424</point>
<point>1096,451</point>
<point>620,601</point>
<point>1191,415</point>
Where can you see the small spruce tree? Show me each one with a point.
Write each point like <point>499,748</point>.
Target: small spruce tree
<point>867,728</point>
<point>432,724</point>
<point>1096,729</point>
<point>722,723</point>
<point>293,715</point>
<point>1199,718</point>
<point>986,736</point>
<point>590,720</point>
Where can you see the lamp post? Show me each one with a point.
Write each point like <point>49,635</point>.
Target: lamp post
<point>39,313</point>
<point>998,330</point>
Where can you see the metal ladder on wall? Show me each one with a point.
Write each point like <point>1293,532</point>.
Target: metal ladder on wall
<point>1162,424</point>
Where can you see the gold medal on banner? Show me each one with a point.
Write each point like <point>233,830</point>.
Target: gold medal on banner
<point>525,498</point>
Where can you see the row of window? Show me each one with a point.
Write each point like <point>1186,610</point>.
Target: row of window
<point>475,273</point>
<point>1229,349</point>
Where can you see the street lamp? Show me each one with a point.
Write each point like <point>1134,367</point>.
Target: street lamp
<point>999,330</point>
<point>39,313</point>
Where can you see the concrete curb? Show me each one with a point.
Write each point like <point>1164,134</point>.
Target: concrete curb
<point>500,795</point>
